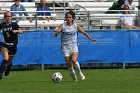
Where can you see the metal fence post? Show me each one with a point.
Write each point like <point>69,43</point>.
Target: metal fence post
<point>36,20</point>
<point>88,15</point>
<point>123,65</point>
<point>42,67</point>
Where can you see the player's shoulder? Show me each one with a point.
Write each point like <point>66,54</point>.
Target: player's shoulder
<point>75,24</point>
<point>14,23</point>
<point>63,24</point>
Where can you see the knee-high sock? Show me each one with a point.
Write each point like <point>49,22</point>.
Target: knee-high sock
<point>72,73</point>
<point>3,66</point>
<point>9,67</point>
<point>77,65</point>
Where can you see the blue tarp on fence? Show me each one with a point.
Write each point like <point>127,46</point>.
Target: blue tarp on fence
<point>41,47</point>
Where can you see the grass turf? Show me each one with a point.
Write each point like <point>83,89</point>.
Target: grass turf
<point>97,81</point>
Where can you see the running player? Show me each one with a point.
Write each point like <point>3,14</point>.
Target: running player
<point>69,30</point>
<point>8,47</point>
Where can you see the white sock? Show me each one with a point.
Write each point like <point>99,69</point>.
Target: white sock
<point>72,73</point>
<point>77,65</point>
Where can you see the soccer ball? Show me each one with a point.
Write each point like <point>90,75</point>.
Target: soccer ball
<point>57,77</point>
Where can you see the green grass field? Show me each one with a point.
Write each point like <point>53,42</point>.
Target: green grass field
<point>97,81</point>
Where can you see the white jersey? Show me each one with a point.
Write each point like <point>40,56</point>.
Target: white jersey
<point>69,39</point>
<point>127,20</point>
<point>69,34</point>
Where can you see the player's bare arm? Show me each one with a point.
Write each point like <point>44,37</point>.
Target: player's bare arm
<point>59,30</point>
<point>85,33</point>
<point>18,31</point>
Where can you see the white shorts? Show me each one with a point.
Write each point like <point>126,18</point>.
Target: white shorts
<point>68,49</point>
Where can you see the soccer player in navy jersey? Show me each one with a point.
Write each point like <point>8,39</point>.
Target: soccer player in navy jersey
<point>8,46</point>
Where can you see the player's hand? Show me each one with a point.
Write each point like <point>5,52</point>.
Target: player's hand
<point>93,40</point>
<point>56,34</point>
<point>14,31</point>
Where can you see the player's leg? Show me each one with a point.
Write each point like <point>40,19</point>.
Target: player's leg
<point>4,62</point>
<point>66,52</point>
<point>12,51</point>
<point>71,69</point>
<point>7,71</point>
<point>74,57</point>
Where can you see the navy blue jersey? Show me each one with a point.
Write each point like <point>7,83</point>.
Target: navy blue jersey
<point>9,36</point>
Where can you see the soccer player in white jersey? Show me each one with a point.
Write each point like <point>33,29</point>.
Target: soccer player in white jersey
<point>69,30</point>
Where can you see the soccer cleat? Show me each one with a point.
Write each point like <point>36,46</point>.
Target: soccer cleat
<point>7,71</point>
<point>82,76</point>
<point>75,78</point>
<point>1,76</point>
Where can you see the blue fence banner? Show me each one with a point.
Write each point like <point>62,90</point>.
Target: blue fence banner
<point>112,46</point>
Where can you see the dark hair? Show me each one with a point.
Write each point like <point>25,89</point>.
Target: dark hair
<point>71,13</point>
<point>126,7</point>
<point>121,2</point>
<point>6,13</point>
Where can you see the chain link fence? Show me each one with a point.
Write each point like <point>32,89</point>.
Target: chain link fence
<point>83,66</point>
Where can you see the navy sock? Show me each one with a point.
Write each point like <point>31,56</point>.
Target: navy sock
<point>3,66</point>
<point>9,66</point>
